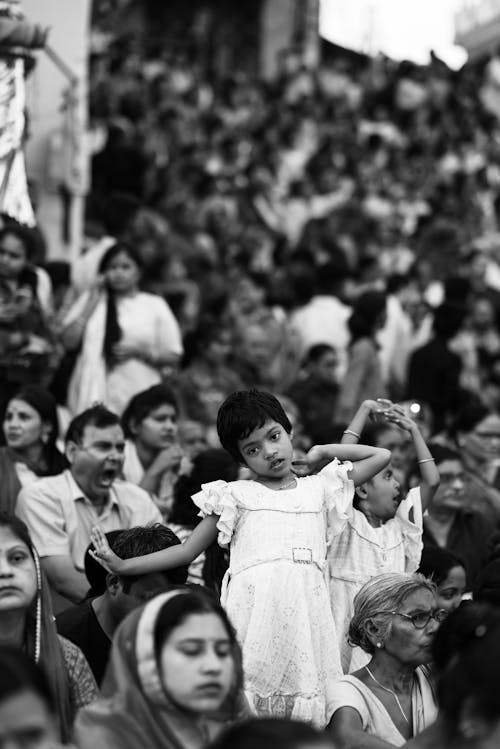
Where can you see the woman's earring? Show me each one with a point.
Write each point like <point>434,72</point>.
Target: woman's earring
<point>379,645</point>
<point>45,438</point>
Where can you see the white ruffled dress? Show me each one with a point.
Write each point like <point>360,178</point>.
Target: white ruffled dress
<point>358,552</point>
<point>276,589</point>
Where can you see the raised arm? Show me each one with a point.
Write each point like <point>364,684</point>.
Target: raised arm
<point>368,408</point>
<point>166,559</point>
<point>429,474</point>
<point>346,730</point>
<point>367,461</point>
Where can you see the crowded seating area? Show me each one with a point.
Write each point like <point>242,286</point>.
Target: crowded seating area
<point>250,436</point>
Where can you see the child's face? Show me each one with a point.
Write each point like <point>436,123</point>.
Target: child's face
<point>383,494</point>
<point>267,450</point>
<point>450,591</point>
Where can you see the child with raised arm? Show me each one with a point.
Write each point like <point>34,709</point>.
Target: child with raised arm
<point>378,531</point>
<point>275,590</point>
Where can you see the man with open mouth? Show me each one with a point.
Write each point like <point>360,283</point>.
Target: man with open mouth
<point>61,510</point>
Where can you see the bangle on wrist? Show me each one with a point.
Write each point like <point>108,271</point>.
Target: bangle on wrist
<point>354,434</point>
<point>426,460</point>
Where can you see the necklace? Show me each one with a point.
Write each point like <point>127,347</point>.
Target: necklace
<point>287,485</point>
<point>386,689</point>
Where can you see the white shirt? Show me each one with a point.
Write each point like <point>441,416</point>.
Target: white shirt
<point>60,517</point>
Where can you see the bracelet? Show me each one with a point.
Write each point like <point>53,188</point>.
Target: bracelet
<point>426,460</point>
<point>354,434</point>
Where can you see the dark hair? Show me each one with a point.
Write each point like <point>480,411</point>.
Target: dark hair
<point>138,541</point>
<point>59,272</point>
<point>468,417</point>
<point>436,563</point>
<point>97,416</point>
<point>316,352</point>
<point>448,319</point>
<point>20,674</point>
<point>141,405</point>
<point>458,631</point>
<point>440,453</point>
<point>366,314</point>
<point>113,332</point>
<point>178,608</point>
<point>242,412</point>
<point>45,405</point>
<point>469,679</point>
<point>270,733</point>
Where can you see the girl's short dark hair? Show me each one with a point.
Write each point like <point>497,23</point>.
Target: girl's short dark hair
<point>242,412</point>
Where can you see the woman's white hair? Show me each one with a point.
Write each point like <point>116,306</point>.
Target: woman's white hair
<point>376,599</point>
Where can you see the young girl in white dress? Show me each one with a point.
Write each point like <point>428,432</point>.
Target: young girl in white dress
<point>275,590</point>
<point>377,532</point>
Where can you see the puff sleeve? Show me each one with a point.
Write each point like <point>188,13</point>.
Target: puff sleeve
<point>409,517</point>
<point>338,494</point>
<point>217,498</point>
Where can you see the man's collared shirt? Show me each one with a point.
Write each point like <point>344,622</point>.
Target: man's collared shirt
<point>60,517</point>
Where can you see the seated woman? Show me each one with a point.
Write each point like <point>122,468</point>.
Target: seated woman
<point>126,337</point>
<point>27,622</point>
<point>174,679</point>
<point>30,427</point>
<point>391,699</point>
<point>28,716</point>
<point>153,455</point>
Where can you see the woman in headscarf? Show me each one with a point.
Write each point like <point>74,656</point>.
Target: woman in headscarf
<point>27,622</point>
<point>174,679</point>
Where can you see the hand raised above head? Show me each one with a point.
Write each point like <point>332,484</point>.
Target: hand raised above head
<point>103,553</point>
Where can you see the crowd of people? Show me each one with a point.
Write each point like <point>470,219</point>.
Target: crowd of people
<point>251,436</point>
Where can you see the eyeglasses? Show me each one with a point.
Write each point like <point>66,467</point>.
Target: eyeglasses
<point>422,618</point>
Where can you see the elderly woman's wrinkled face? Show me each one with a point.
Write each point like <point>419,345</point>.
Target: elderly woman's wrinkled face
<point>17,572</point>
<point>25,723</point>
<point>405,642</point>
<point>197,664</point>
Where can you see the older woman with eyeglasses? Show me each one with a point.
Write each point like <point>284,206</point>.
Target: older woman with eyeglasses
<point>391,699</point>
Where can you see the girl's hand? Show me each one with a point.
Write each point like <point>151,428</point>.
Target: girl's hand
<point>102,552</point>
<point>397,416</point>
<point>311,462</point>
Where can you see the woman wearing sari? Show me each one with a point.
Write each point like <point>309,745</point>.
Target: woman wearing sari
<point>391,699</point>
<point>27,623</point>
<point>124,337</point>
<point>174,679</point>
